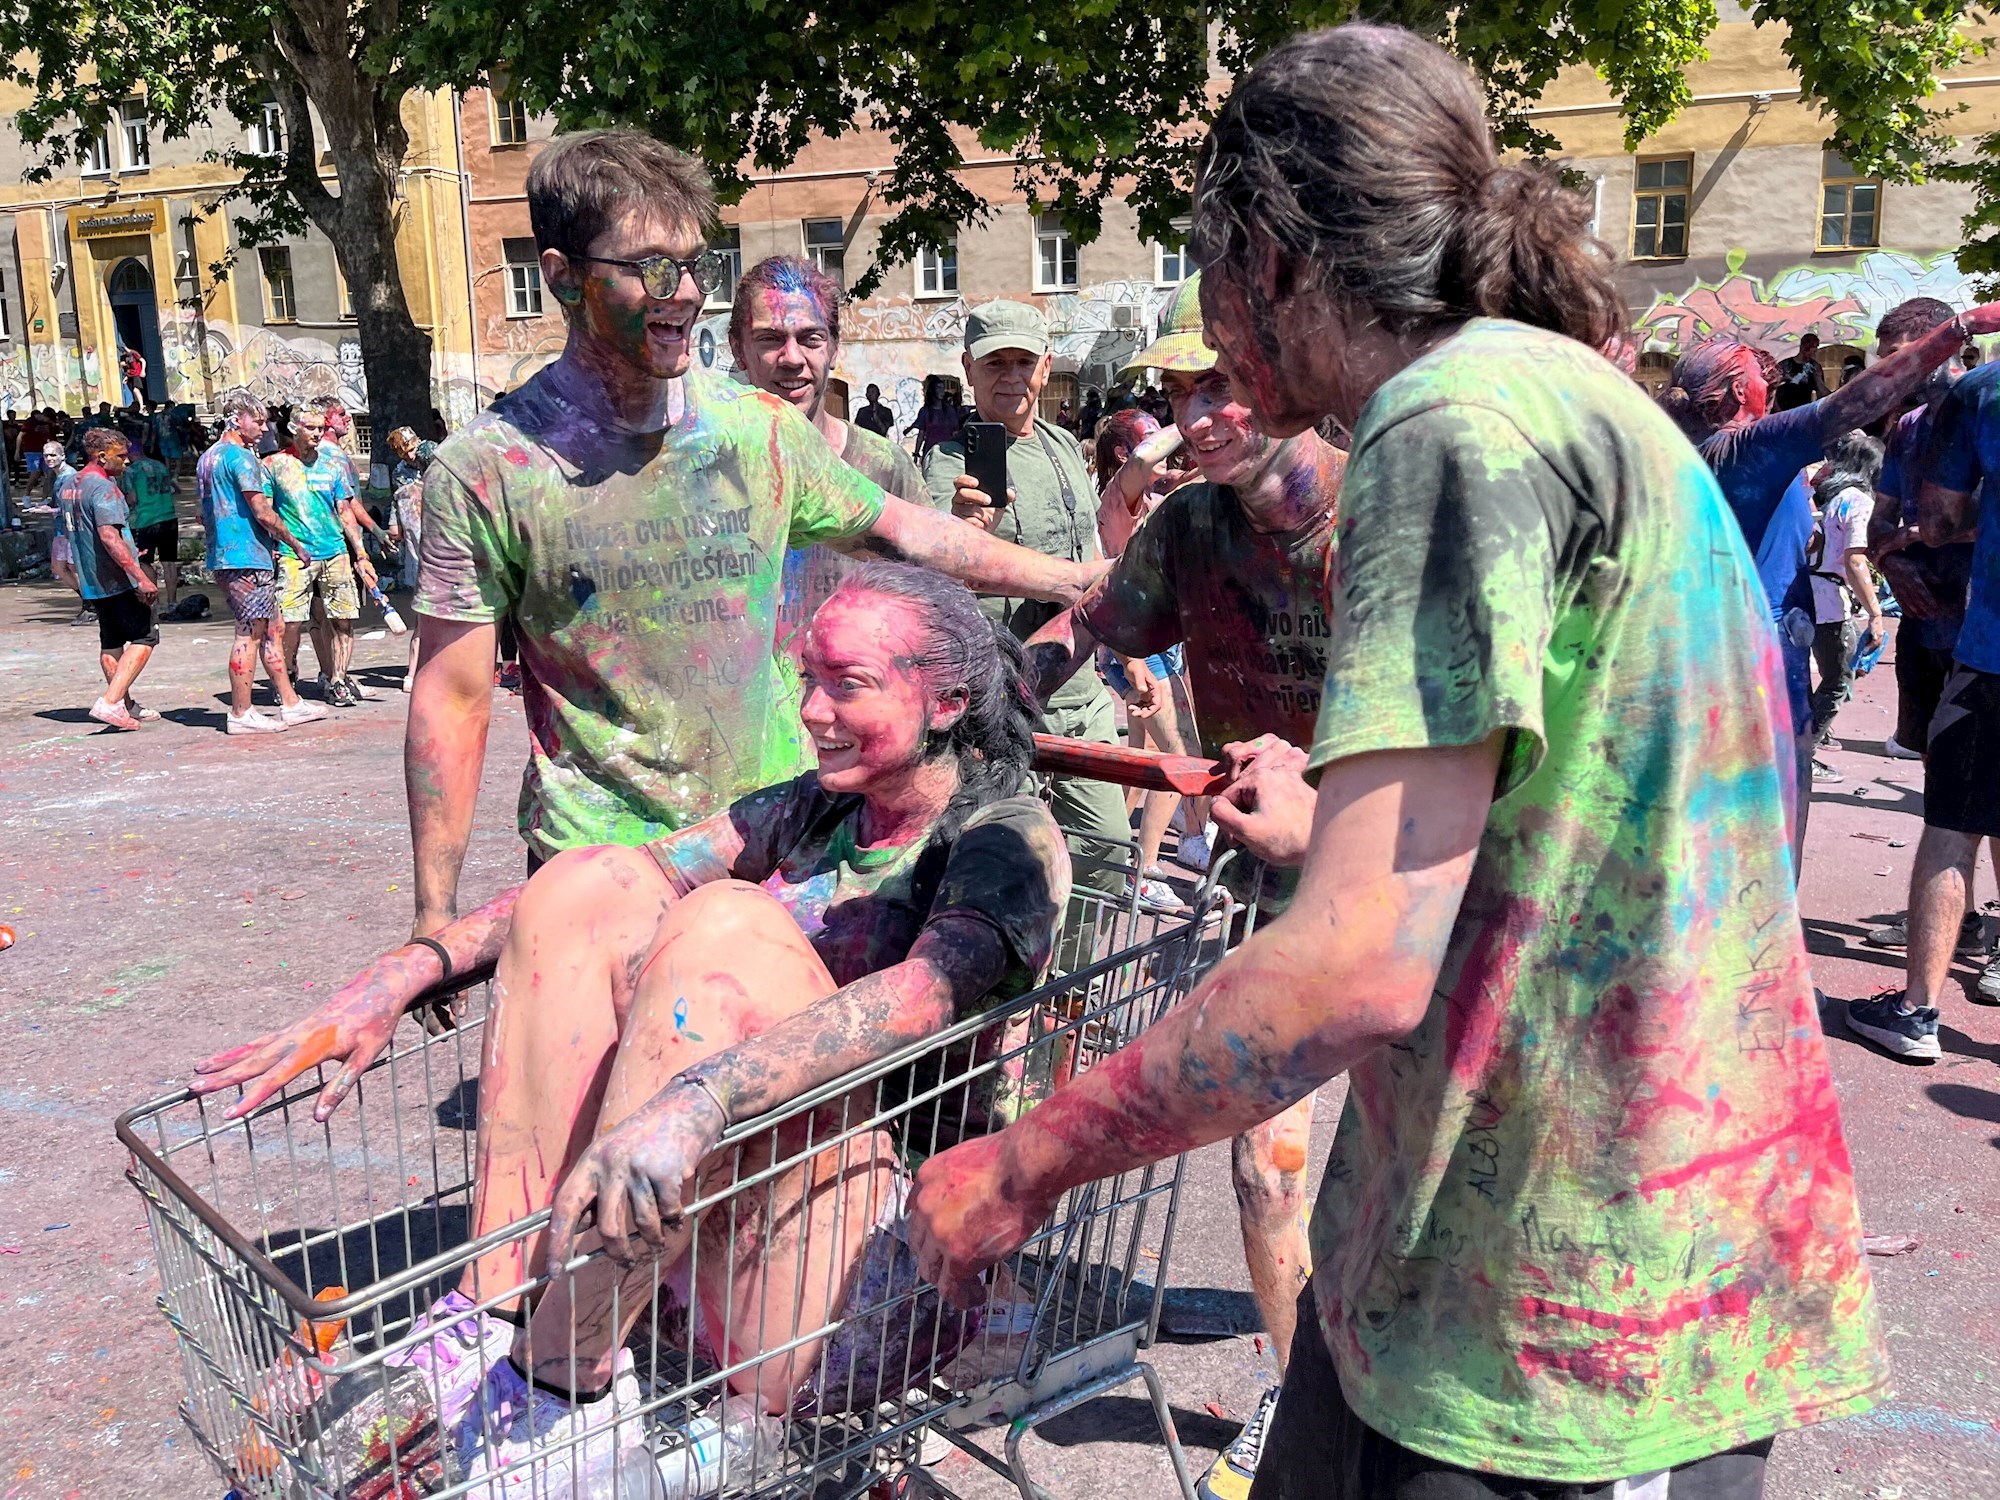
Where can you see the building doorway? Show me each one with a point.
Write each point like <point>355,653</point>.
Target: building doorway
<point>136,315</point>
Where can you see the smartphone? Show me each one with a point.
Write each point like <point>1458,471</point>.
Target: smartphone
<point>986,458</point>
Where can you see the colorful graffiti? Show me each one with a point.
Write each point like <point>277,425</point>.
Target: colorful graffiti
<point>1841,304</point>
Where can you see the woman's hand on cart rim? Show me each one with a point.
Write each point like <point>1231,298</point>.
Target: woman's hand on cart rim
<point>633,1181</point>
<point>966,1214</point>
<point>351,1027</point>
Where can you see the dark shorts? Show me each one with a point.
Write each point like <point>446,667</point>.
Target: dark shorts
<point>1318,1449</point>
<point>160,542</point>
<point>125,620</point>
<point>252,594</point>
<point>1962,767</point>
<point>1920,675</point>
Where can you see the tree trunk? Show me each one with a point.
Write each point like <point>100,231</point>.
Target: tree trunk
<point>318,60</point>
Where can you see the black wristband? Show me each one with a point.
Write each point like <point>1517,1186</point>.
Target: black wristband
<point>444,957</point>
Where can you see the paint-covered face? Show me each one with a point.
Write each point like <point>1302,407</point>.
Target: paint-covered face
<point>867,705</point>
<point>786,347</point>
<point>113,460</point>
<point>610,306</point>
<point>1217,427</point>
<point>338,423</point>
<point>250,425</point>
<point>1753,395</point>
<point>1007,383</point>
<point>306,433</point>
<point>1271,384</point>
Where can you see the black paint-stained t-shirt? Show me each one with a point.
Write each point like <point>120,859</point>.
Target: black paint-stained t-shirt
<point>862,909</point>
<point>1251,606</point>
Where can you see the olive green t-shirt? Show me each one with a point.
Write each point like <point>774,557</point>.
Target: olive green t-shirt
<point>1054,513</point>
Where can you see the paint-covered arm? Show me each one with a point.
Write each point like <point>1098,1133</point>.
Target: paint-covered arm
<point>985,564</point>
<point>356,1023</point>
<point>351,527</point>
<point>444,750</point>
<point>266,512</point>
<point>113,540</point>
<point>1351,966</point>
<point>635,1176</point>
<point>1945,515</point>
<point>1887,384</point>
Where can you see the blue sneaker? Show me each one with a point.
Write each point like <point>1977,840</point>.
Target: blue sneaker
<point>1906,1033</point>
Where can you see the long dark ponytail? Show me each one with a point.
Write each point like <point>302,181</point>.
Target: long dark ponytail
<point>1362,155</point>
<point>993,740</point>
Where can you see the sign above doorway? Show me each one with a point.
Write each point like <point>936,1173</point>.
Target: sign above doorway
<point>145,216</point>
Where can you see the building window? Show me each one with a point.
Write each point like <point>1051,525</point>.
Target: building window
<point>133,135</point>
<point>346,297</point>
<point>728,243</point>
<point>1171,263</point>
<point>937,270</point>
<point>826,247</point>
<point>265,135</point>
<point>1055,255</point>
<point>94,160</point>
<point>6,312</point>
<point>281,304</point>
<point>1660,208</point>
<point>510,120</point>
<point>524,278</point>
<point>1850,206</point>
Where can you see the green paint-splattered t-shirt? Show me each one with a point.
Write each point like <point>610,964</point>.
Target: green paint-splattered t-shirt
<point>1594,1217</point>
<point>643,571</point>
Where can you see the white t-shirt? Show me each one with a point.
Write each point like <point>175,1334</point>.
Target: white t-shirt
<point>1843,526</point>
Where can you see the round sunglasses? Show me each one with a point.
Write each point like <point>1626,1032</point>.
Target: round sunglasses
<point>661,274</point>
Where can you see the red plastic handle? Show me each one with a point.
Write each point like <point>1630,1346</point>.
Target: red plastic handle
<point>1149,770</point>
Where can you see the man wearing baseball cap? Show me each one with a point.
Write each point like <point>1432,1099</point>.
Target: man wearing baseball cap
<point>1236,566</point>
<point>1051,508</point>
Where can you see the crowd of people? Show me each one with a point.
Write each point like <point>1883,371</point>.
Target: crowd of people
<point>1510,667</point>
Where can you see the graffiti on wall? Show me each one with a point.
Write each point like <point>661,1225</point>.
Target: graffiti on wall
<point>1842,304</point>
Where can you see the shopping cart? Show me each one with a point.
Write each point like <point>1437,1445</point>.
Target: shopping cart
<point>295,1257</point>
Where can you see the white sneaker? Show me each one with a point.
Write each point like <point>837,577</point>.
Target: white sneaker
<point>1156,896</point>
<point>113,714</point>
<point>565,1445</point>
<point>253,722</point>
<point>302,712</point>
<point>1197,849</point>
<point>1895,749</point>
<point>464,1346</point>
<point>139,711</point>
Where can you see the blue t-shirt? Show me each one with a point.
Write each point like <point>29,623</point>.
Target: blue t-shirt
<point>1964,453</point>
<point>100,502</point>
<point>1760,469</point>
<point>1905,465</point>
<point>235,540</point>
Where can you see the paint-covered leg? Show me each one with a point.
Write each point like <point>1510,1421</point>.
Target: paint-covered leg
<point>581,928</point>
<point>1269,1167</point>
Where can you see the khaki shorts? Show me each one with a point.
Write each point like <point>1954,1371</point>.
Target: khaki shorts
<point>332,579</point>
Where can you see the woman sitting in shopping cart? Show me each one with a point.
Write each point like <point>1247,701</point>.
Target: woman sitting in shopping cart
<point>648,997</point>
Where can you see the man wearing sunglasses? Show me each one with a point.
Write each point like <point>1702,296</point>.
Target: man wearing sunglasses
<point>631,515</point>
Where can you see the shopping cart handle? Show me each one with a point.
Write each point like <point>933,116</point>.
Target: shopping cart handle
<point>1149,770</point>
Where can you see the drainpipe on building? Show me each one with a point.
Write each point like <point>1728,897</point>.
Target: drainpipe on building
<point>465,230</point>
<point>27,344</point>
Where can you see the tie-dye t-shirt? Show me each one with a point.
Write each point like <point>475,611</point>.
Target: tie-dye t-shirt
<point>222,477</point>
<point>306,507</point>
<point>863,908</point>
<point>643,572</point>
<point>1595,1216</point>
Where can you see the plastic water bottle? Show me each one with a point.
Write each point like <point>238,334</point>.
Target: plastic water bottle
<point>735,1436</point>
<point>390,619</point>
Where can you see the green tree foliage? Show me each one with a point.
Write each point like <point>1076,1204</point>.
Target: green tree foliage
<point>334,70</point>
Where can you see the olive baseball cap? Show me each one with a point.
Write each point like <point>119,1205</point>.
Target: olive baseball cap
<point>1179,346</point>
<point>1005,325</point>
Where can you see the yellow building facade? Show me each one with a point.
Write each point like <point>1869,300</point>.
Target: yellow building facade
<point>132,249</point>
